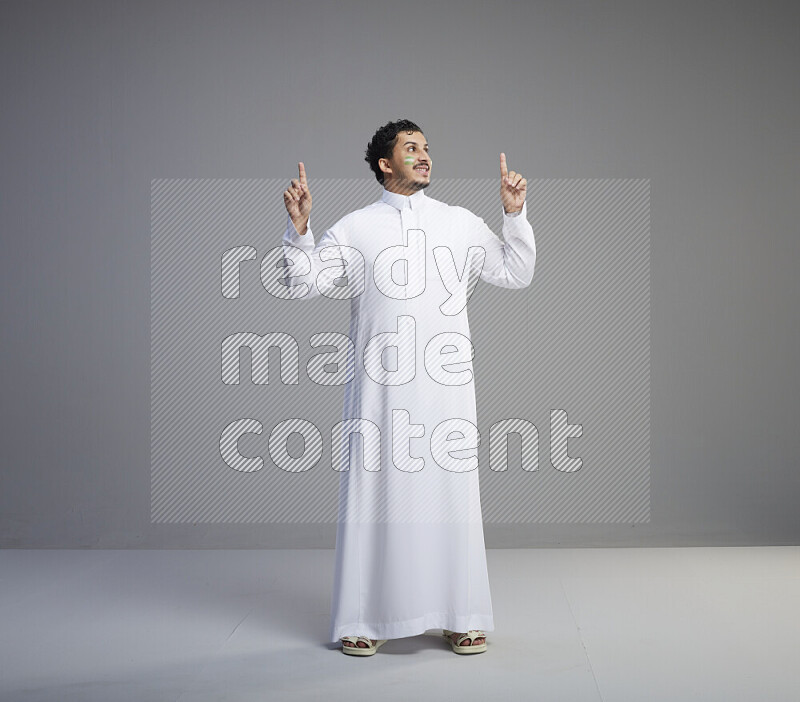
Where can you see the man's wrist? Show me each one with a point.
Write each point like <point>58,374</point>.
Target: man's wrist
<point>301,226</point>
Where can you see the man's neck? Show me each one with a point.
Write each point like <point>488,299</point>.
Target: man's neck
<point>399,189</point>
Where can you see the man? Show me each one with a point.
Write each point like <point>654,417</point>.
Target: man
<point>410,554</point>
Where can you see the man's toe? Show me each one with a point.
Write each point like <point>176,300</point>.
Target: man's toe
<point>360,644</point>
<point>468,642</point>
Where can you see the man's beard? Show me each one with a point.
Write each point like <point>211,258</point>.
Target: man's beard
<point>416,185</point>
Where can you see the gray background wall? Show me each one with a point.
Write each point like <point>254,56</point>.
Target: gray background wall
<point>101,97</point>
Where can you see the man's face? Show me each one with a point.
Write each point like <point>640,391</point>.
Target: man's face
<point>410,163</point>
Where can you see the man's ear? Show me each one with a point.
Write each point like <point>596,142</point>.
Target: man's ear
<point>383,164</point>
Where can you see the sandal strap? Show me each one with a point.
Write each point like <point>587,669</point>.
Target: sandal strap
<point>355,639</point>
<point>472,634</point>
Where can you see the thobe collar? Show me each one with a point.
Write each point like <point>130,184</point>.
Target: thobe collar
<point>402,202</point>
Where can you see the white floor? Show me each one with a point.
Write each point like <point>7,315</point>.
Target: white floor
<point>671,624</point>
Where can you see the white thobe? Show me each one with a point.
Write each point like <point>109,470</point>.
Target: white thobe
<point>410,553</point>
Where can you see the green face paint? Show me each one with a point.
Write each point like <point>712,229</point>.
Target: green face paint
<point>409,161</point>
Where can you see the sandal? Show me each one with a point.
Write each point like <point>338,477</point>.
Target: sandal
<point>472,634</point>
<point>356,650</point>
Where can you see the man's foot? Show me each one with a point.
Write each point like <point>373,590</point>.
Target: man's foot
<point>467,642</point>
<point>361,644</point>
<point>472,641</point>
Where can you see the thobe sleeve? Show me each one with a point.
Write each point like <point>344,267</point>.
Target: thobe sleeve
<point>509,263</point>
<point>326,254</point>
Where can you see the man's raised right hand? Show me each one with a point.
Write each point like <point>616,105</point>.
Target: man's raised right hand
<point>298,200</point>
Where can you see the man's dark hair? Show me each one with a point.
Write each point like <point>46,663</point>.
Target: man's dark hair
<point>383,142</point>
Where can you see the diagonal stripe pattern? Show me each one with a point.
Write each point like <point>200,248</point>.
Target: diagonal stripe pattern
<point>240,374</point>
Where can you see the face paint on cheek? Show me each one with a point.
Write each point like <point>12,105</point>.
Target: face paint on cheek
<point>409,161</point>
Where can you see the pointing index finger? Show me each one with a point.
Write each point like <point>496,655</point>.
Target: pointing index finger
<point>302,172</point>
<point>503,166</point>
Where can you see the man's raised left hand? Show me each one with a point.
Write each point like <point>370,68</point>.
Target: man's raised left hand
<point>513,188</point>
